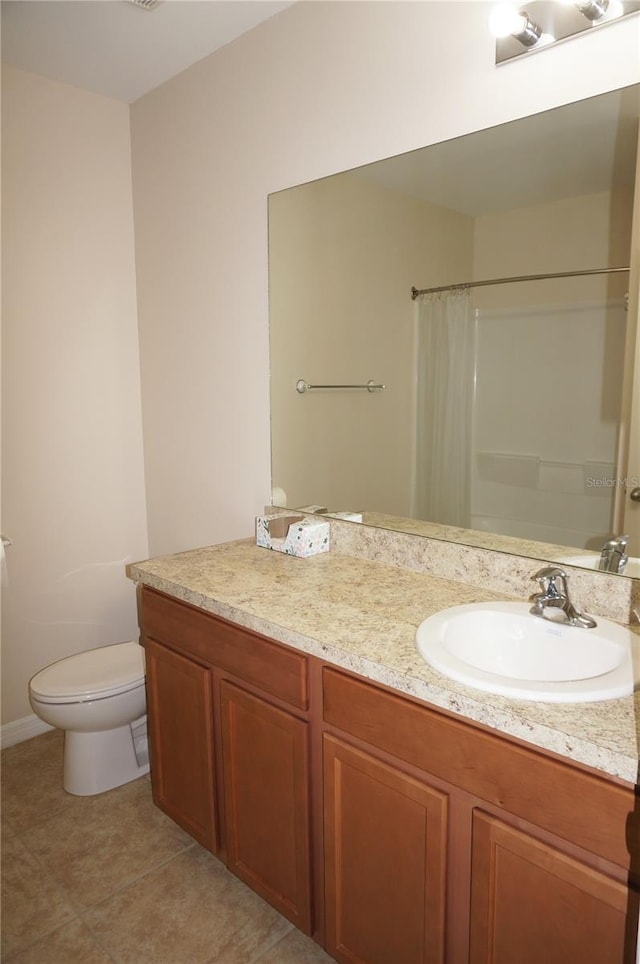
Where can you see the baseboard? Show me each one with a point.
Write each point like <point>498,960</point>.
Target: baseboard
<point>21,730</point>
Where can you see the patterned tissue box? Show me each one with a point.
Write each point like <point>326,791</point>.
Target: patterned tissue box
<point>294,534</point>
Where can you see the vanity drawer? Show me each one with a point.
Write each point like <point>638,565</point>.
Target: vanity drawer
<point>583,808</point>
<point>273,668</point>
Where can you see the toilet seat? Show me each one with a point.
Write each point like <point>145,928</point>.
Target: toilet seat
<point>93,675</point>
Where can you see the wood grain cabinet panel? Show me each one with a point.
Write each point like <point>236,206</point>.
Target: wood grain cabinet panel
<point>266,780</point>
<point>530,903</point>
<point>443,843</point>
<point>179,704</point>
<point>385,853</point>
<point>515,778</point>
<point>273,668</point>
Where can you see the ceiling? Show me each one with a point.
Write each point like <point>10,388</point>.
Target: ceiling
<point>582,148</point>
<point>118,49</point>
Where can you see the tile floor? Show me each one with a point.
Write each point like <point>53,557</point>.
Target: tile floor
<point>110,880</point>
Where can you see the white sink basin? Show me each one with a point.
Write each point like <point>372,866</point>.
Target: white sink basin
<point>588,561</point>
<point>501,648</point>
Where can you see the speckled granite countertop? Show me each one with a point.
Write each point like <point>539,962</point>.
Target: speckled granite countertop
<point>363,615</point>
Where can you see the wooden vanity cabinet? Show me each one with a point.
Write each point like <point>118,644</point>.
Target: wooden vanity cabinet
<point>529,852</point>
<point>229,741</point>
<point>531,902</point>
<point>180,714</point>
<point>266,788</point>
<point>385,860</point>
<point>396,833</point>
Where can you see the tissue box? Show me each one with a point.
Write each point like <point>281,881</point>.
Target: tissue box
<point>294,534</point>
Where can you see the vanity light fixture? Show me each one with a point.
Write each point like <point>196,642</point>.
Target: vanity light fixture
<point>594,10</point>
<point>598,10</point>
<point>507,21</point>
<point>520,30</point>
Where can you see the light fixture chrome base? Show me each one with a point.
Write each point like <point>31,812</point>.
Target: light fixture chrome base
<point>594,10</point>
<point>550,22</point>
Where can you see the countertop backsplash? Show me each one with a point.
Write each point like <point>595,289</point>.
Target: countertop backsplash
<point>598,593</point>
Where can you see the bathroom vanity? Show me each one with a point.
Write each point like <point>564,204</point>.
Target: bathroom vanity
<point>394,815</point>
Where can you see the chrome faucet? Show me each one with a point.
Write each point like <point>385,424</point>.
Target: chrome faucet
<point>613,555</point>
<point>554,603</point>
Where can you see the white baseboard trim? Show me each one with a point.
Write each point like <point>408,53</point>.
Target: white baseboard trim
<point>21,730</point>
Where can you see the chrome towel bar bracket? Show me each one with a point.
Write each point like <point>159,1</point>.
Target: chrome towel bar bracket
<point>371,386</point>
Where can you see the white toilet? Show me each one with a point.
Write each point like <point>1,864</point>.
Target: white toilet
<point>98,699</point>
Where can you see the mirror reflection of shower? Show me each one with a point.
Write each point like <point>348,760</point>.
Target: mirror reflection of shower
<point>519,199</point>
<point>517,407</point>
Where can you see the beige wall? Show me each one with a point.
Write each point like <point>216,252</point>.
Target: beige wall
<point>320,88</point>
<point>343,255</point>
<point>592,231</point>
<point>73,494</point>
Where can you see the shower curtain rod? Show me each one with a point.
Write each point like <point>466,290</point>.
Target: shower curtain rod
<point>525,277</point>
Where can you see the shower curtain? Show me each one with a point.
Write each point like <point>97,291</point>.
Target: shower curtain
<point>444,398</point>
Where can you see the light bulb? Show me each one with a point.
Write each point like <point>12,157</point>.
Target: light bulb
<point>505,20</point>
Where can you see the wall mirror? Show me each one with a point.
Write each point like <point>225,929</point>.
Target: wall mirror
<point>498,422</point>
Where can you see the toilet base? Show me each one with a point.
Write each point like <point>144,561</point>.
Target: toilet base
<point>99,761</point>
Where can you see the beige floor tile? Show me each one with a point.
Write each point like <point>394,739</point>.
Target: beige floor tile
<point>186,911</point>
<point>266,928</point>
<point>71,944</point>
<point>113,839</point>
<point>32,781</point>
<point>295,948</point>
<point>7,831</point>
<point>32,902</point>
<point>111,879</point>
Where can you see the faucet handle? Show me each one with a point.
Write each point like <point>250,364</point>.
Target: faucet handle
<point>613,555</point>
<point>549,577</point>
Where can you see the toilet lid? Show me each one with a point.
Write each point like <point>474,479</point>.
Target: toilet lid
<point>95,674</point>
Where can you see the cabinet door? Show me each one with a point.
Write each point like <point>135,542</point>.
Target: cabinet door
<point>532,903</point>
<point>266,778</point>
<point>385,852</point>
<point>179,707</point>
